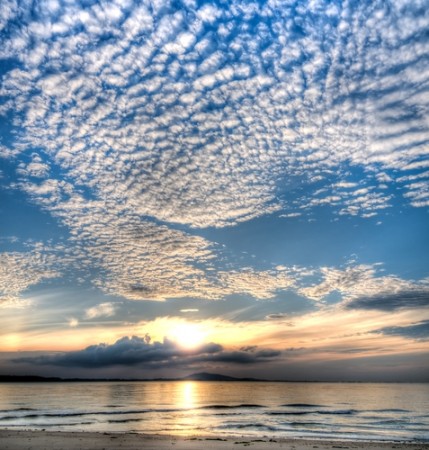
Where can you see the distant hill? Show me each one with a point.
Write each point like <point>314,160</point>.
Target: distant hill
<point>204,376</point>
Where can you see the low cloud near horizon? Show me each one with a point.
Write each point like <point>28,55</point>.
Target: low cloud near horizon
<point>131,351</point>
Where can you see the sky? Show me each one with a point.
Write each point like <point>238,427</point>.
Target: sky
<point>234,187</point>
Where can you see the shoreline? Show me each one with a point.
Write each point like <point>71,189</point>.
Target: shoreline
<point>11,439</point>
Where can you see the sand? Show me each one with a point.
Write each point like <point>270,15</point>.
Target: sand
<point>13,440</point>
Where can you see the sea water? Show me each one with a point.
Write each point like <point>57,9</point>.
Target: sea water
<point>343,411</point>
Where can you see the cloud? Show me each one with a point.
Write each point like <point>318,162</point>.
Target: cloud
<point>417,331</point>
<point>214,162</point>
<point>260,284</point>
<point>20,270</point>
<point>290,215</point>
<point>130,351</point>
<point>73,322</point>
<point>283,317</point>
<point>414,298</point>
<point>36,168</point>
<point>362,287</point>
<point>138,259</point>
<point>102,310</point>
<point>189,117</point>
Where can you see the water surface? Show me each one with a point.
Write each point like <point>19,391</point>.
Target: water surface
<point>367,411</point>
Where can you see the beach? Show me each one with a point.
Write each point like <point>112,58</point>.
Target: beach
<point>39,440</point>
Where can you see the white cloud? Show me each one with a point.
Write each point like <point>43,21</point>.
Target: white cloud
<point>339,130</point>
<point>261,285</point>
<point>73,322</point>
<point>107,309</point>
<point>181,119</point>
<point>21,270</point>
<point>290,215</point>
<point>141,260</point>
<point>357,281</point>
<point>208,13</point>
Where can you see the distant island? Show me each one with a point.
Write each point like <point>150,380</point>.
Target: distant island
<point>200,376</point>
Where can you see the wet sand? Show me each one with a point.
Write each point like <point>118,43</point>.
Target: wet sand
<point>39,440</point>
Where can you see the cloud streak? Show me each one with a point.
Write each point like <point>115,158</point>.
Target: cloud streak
<point>414,298</point>
<point>417,331</point>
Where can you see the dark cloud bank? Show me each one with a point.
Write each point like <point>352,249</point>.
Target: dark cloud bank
<point>136,350</point>
<point>418,331</point>
<point>391,302</point>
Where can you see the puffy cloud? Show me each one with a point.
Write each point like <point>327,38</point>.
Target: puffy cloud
<point>141,351</point>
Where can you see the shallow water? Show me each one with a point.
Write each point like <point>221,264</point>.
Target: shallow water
<point>367,411</point>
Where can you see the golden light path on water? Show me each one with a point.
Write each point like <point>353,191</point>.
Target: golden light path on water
<point>181,403</point>
<point>191,420</point>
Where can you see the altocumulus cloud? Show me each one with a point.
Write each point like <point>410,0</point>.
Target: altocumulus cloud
<point>364,287</point>
<point>130,351</point>
<point>205,116</point>
<point>20,270</point>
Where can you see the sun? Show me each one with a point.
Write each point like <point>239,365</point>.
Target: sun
<point>188,335</point>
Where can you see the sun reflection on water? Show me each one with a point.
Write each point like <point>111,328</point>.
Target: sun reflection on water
<point>188,394</point>
<point>187,400</point>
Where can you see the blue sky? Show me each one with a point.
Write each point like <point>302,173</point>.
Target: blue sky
<point>215,167</point>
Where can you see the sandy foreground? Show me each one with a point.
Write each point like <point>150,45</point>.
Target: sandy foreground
<point>13,440</point>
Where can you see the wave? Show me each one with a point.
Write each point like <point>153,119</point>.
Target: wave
<point>138,411</point>
<point>340,412</point>
<point>303,405</point>
<point>50,425</point>
<point>243,405</point>
<point>3,411</point>
<point>347,412</point>
<point>398,422</point>
<point>73,414</point>
<point>123,420</point>
<point>242,426</point>
<point>391,410</point>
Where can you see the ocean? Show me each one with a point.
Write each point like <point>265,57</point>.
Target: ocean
<point>343,411</point>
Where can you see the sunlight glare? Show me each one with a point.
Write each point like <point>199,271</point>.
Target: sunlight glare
<point>188,335</point>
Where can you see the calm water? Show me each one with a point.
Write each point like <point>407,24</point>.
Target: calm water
<point>276,410</point>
